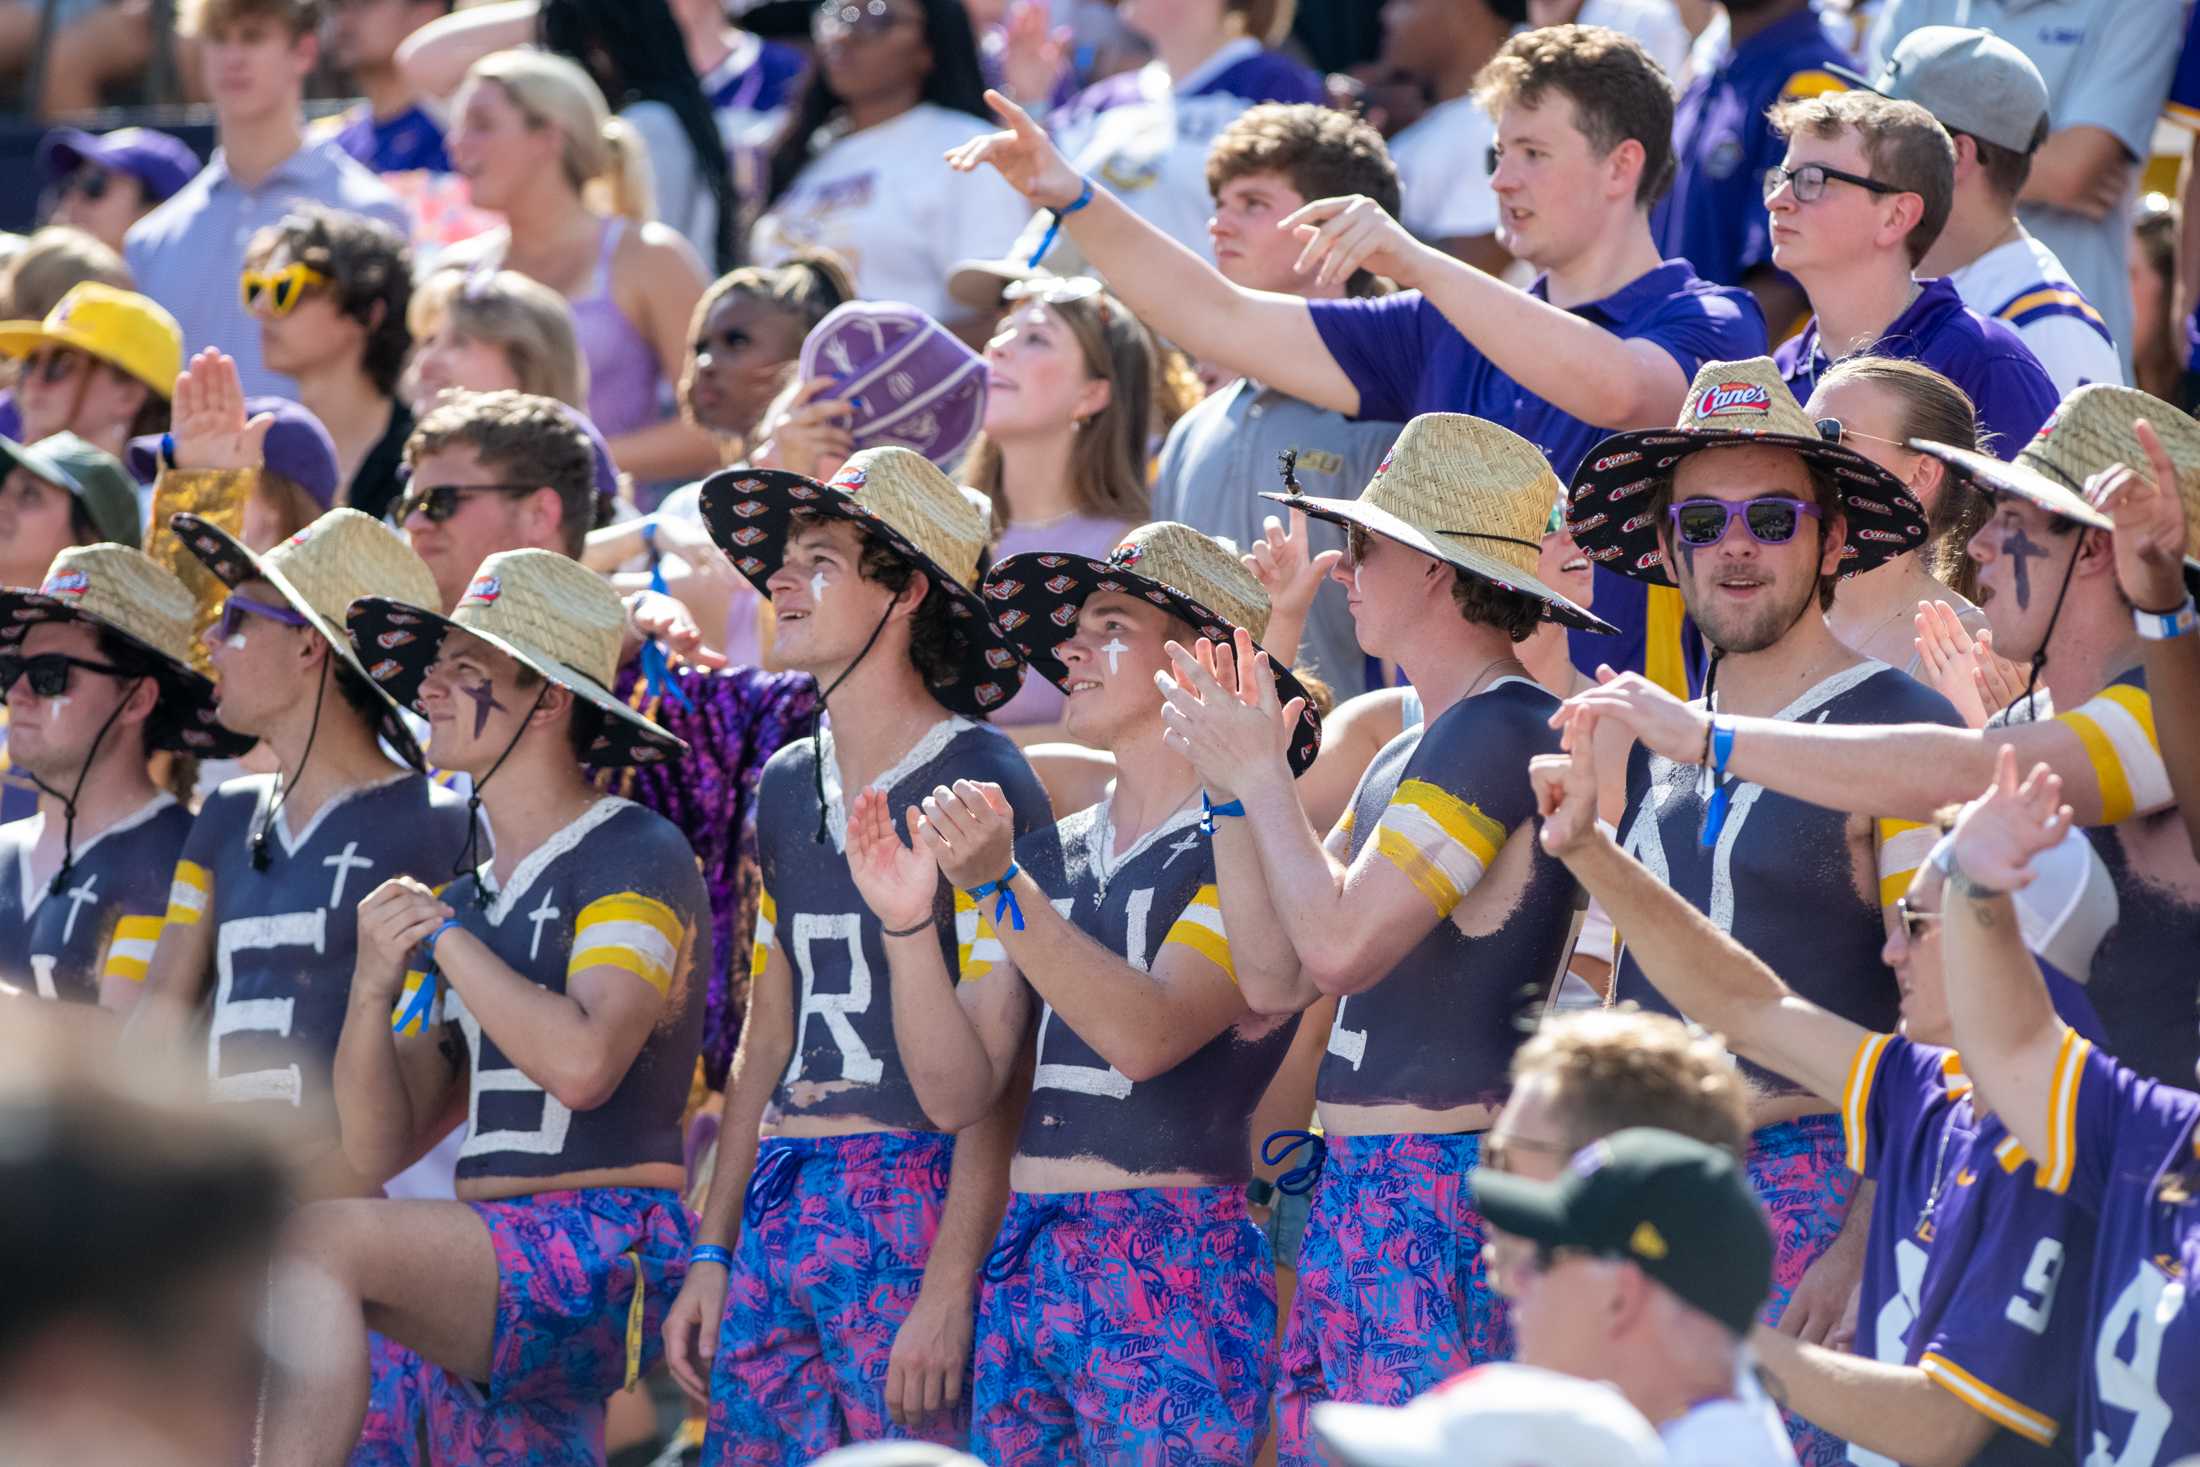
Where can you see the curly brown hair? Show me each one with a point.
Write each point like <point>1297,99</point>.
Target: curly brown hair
<point>931,630</point>
<point>369,266</point>
<point>1321,152</point>
<point>1622,1067</point>
<point>1618,92</point>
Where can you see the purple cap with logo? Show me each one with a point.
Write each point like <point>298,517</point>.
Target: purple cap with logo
<point>298,448</point>
<point>156,160</point>
<point>911,382</point>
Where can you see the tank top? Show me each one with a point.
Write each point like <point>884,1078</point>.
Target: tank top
<point>622,369</point>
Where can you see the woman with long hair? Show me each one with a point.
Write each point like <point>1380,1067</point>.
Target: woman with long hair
<point>860,167</point>
<point>536,144</point>
<point>1068,413</point>
<point>2157,343</point>
<point>485,330</point>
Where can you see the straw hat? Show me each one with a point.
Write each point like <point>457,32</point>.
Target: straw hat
<point>1193,577</point>
<point>127,593</point>
<point>1468,493</point>
<point>899,496</point>
<point>549,612</point>
<point>1730,403</point>
<point>320,571</point>
<point>2090,431</point>
<point>128,331</point>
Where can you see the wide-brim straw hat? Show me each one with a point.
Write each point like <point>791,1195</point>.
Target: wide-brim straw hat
<point>1730,403</point>
<point>545,610</point>
<point>2088,432</point>
<point>1469,493</point>
<point>123,591</point>
<point>915,509</point>
<point>1195,578</point>
<point>320,571</point>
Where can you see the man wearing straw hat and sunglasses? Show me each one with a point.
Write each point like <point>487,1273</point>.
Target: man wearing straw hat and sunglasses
<point>833,1279</point>
<point>95,666</point>
<point>1428,909</point>
<point>2048,582</point>
<point>555,988</point>
<point>1129,1304</point>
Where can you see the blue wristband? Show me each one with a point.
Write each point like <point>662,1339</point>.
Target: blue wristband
<point>1006,905</point>
<point>710,1253</point>
<point>1054,225</point>
<point>428,944</point>
<point>167,450</point>
<point>1208,812</point>
<point>1722,748</point>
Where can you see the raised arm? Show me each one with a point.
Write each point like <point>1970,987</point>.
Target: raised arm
<point>391,1088</point>
<point>1142,1022</point>
<point>1589,373</point>
<point>958,1039</point>
<point>2005,1025</point>
<point>435,58</point>
<point>1260,334</point>
<point>1705,972</point>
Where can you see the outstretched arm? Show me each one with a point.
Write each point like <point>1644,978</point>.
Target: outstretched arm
<point>1255,333</point>
<point>435,58</point>
<point>1705,972</point>
<point>1893,1409</point>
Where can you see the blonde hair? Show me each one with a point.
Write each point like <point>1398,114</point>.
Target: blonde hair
<point>606,161</point>
<point>1621,1067</point>
<point>53,262</point>
<point>525,319</point>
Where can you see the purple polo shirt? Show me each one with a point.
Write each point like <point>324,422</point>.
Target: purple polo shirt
<point>2012,391</point>
<point>1406,359</point>
<point>1714,217</point>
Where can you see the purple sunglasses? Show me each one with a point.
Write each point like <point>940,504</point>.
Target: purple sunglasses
<point>238,607</point>
<point>1770,521</point>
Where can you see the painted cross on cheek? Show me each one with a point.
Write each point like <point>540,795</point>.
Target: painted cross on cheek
<point>484,694</point>
<point>817,588</point>
<point>2021,548</point>
<point>1115,650</point>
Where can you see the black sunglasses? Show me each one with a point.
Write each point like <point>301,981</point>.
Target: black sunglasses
<point>439,502</point>
<point>1914,922</point>
<point>1809,182</point>
<point>49,671</point>
<point>92,183</point>
<point>51,365</point>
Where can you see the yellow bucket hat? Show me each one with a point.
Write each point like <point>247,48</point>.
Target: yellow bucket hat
<point>128,331</point>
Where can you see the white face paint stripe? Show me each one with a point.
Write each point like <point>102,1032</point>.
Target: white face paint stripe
<point>235,643</point>
<point>1115,650</point>
<point>817,587</point>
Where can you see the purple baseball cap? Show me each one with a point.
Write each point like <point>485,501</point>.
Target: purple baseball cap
<point>160,162</point>
<point>912,383</point>
<point>298,448</point>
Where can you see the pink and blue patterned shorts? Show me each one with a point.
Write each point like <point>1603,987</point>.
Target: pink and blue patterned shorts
<point>1394,1294</point>
<point>1125,1327</point>
<point>834,1239</point>
<point>1799,1170</point>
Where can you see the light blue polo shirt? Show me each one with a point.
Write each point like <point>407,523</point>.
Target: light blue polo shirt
<point>188,253</point>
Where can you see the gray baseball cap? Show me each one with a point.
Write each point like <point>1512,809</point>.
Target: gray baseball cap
<point>1971,81</point>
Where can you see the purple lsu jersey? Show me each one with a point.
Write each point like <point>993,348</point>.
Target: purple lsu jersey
<point>105,918</point>
<point>1971,1271</point>
<point>2125,1149</point>
<point>845,1061</point>
<point>1440,803</point>
<point>616,888</point>
<point>1196,1118</point>
<point>285,938</point>
<point>1780,878</point>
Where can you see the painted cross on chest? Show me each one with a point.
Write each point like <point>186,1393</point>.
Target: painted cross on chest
<point>1189,843</point>
<point>78,896</point>
<point>345,861</point>
<point>544,912</point>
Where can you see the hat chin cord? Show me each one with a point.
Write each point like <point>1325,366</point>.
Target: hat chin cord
<point>68,801</point>
<point>469,855</point>
<point>283,787</point>
<point>2039,654</point>
<point>817,719</point>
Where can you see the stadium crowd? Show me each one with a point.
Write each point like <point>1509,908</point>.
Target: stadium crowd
<point>1475,757</point>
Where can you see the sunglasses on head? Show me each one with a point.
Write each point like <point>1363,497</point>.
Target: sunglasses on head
<point>280,289</point>
<point>48,671</point>
<point>1836,432</point>
<point>439,502</point>
<point>238,607</point>
<point>1048,291</point>
<point>1809,182</point>
<point>1914,922</point>
<point>1770,521</point>
<point>837,18</point>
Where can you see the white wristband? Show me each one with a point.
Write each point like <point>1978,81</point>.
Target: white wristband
<point>2162,626</point>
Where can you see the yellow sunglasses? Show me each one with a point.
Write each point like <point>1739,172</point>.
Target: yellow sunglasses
<point>281,288</point>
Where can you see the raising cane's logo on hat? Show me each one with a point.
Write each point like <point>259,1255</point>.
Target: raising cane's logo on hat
<point>1734,399</point>
<point>68,583</point>
<point>1616,460</point>
<point>850,478</point>
<point>484,590</point>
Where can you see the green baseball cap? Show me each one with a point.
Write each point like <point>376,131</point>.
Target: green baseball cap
<point>94,476</point>
<point>1678,1209</point>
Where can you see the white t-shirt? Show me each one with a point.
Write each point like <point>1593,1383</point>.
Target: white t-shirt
<point>1741,1430</point>
<point>2022,285</point>
<point>1443,171</point>
<point>1654,23</point>
<point>684,201</point>
<point>885,201</point>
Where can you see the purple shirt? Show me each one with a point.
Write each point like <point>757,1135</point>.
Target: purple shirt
<point>1714,217</point>
<point>412,141</point>
<point>1967,1260</point>
<point>1039,701</point>
<point>2012,391</point>
<point>2140,1401</point>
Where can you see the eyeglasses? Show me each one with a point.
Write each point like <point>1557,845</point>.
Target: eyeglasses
<point>52,365</point>
<point>1809,182</point>
<point>92,183</point>
<point>1770,521</point>
<point>439,502</point>
<point>1497,1151</point>
<point>283,288</point>
<point>836,19</point>
<point>1834,431</point>
<point>238,607</point>
<point>49,671</point>
<point>1914,922</point>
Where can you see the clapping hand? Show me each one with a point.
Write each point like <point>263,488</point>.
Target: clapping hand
<point>1220,711</point>
<point>899,881</point>
<point>970,830</point>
